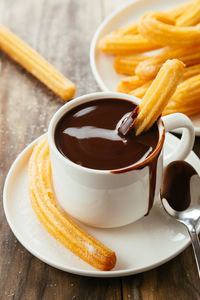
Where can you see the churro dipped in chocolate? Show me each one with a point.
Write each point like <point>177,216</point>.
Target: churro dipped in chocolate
<point>155,99</point>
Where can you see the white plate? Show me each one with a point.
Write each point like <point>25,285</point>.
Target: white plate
<point>102,64</point>
<point>141,246</point>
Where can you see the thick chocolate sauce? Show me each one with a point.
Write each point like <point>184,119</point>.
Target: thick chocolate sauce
<point>89,136</point>
<point>176,184</point>
<point>129,122</point>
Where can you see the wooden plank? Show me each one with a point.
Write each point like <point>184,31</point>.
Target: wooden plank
<point>177,279</point>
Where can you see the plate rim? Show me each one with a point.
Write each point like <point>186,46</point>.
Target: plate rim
<point>93,49</point>
<point>95,38</point>
<point>74,270</point>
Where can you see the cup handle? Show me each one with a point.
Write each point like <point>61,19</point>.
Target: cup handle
<point>186,143</point>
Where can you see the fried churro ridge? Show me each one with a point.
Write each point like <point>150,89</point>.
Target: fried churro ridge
<point>158,94</point>
<point>35,64</point>
<point>158,29</point>
<point>58,224</point>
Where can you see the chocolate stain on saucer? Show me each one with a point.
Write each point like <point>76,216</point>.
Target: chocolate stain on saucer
<point>89,136</point>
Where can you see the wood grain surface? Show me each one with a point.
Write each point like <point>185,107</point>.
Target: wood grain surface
<point>61,31</point>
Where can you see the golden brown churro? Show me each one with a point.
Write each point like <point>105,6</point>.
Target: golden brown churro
<point>190,16</point>
<point>160,30</point>
<point>126,64</point>
<point>177,103</point>
<point>59,225</point>
<point>127,40</point>
<point>178,31</point>
<point>187,110</point>
<point>148,68</point>
<point>138,86</point>
<point>127,29</point>
<point>141,91</point>
<point>188,89</point>
<point>177,11</point>
<point>158,94</point>
<point>191,71</point>
<point>127,44</point>
<point>129,83</point>
<point>35,64</point>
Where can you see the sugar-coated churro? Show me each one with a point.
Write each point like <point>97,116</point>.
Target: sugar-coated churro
<point>160,30</point>
<point>35,64</point>
<point>58,224</point>
<point>158,94</point>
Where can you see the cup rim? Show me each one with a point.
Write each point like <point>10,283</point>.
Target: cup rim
<point>88,98</point>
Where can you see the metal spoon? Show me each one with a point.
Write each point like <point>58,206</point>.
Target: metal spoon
<point>190,216</point>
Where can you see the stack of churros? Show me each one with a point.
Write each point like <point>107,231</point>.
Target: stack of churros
<point>58,224</point>
<point>174,34</point>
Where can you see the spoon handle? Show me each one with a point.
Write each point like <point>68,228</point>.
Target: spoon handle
<point>195,245</point>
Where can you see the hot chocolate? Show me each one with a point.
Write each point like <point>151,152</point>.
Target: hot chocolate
<point>88,135</point>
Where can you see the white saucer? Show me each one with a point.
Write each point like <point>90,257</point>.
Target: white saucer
<point>141,246</point>
<point>102,64</point>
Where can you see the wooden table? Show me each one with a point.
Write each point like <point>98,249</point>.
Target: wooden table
<point>61,30</point>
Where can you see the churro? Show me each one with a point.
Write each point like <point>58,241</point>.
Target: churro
<point>127,29</point>
<point>191,71</point>
<point>127,40</point>
<point>148,68</point>
<point>158,28</point>
<point>189,109</point>
<point>188,91</point>
<point>126,64</point>
<point>141,91</point>
<point>58,224</point>
<point>158,94</point>
<point>127,44</point>
<point>177,11</point>
<point>35,64</point>
<point>138,86</point>
<point>190,16</point>
<point>177,31</point>
<point>129,83</point>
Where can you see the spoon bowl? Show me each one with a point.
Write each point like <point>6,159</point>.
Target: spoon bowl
<point>190,216</point>
<point>193,211</point>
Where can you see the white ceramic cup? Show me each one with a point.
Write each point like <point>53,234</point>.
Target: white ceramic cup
<point>105,199</point>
